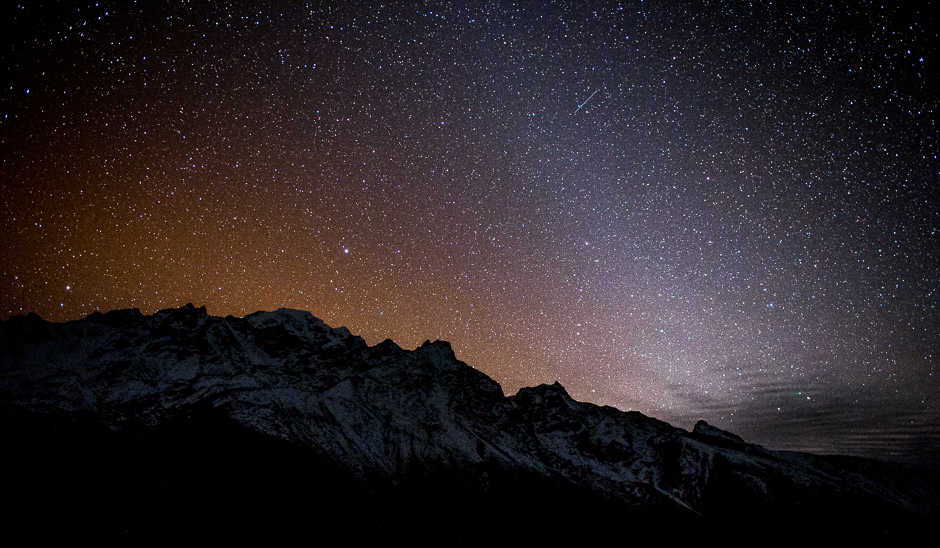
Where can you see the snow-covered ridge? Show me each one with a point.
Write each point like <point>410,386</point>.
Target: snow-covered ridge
<point>382,412</point>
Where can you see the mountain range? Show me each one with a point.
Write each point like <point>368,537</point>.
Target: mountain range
<point>122,426</point>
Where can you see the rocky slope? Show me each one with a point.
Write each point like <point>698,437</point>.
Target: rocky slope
<point>150,427</point>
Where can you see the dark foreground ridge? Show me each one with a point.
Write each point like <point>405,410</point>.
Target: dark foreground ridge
<point>185,425</point>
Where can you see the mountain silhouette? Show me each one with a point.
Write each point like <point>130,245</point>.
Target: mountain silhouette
<point>177,425</point>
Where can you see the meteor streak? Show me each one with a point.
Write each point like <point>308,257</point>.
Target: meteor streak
<point>585,101</point>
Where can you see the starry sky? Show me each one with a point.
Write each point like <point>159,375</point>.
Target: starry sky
<point>711,211</point>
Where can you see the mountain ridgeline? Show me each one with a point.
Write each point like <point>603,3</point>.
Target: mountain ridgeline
<point>133,427</point>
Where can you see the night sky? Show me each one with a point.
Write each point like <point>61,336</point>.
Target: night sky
<point>719,212</point>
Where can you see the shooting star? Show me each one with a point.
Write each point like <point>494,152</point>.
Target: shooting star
<point>585,101</point>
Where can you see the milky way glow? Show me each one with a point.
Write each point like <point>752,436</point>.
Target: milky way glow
<point>730,213</point>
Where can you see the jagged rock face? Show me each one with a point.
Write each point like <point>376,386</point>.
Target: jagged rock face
<point>377,423</point>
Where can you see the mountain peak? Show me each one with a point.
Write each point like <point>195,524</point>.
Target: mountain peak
<point>188,308</point>
<point>115,318</point>
<point>438,351</point>
<point>704,429</point>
